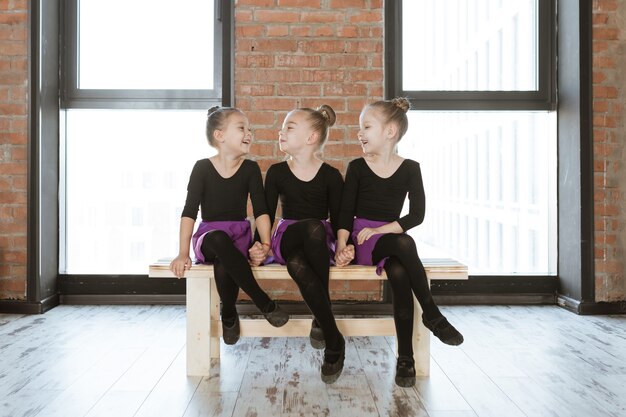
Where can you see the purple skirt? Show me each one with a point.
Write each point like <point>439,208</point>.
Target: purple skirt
<point>277,237</point>
<point>363,252</point>
<point>238,230</point>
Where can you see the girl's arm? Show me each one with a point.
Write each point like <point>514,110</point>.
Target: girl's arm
<point>344,252</point>
<point>259,251</point>
<point>335,188</point>
<point>348,200</point>
<point>367,232</point>
<point>264,227</point>
<point>183,261</point>
<point>417,200</point>
<point>417,208</point>
<point>271,192</point>
<point>188,219</point>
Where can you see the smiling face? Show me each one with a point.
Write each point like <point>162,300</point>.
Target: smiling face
<point>374,133</point>
<point>296,133</point>
<point>236,135</point>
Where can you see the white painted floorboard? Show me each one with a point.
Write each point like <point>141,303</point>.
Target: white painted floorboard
<point>130,361</point>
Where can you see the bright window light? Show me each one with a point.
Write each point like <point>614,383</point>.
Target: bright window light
<point>126,181</point>
<point>470,45</point>
<point>146,44</point>
<point>490,183</point>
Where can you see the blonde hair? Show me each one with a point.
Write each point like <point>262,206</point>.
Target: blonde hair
<point>321,119</point>
<point>216,120</point>
<point>394,111</point>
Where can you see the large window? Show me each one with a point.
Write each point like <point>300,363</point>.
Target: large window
<point>138,84</point>
<point>490,183</point>
<point>479,75</point>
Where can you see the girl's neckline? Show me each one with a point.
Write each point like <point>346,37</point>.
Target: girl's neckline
<point>381,177</point>
<point>220,175</point>
<point>300,179</point>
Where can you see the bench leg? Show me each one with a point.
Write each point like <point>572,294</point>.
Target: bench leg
<point>421,342</point>
<point>198,327</point>
<point>214,306</point>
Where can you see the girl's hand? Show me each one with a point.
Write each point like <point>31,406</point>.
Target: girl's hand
<point>344,256</point>
<point>366,233</point>
<point>258,253</point>
<point>179,265</point>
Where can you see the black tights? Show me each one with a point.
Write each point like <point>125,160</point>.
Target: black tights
<point>304,249</point>
<point>406,276</point>
<point>232,271</point>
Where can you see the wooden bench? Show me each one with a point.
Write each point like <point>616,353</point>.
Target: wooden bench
<point>203,311</point>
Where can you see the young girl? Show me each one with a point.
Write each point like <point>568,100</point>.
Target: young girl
<point>375,188</point>
<point>220,185</point>
<point>309,190</point>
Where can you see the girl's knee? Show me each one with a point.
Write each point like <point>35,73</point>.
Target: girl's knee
<point>314,229</point>
<point>405,242</point>
<point>217,239</point>
<point>295,264</point>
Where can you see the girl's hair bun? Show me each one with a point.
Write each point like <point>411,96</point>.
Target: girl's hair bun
<point>402,102</point>
<point>213,110</point>
<point>328,114</point>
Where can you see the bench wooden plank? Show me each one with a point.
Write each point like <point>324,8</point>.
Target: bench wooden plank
<point>436,268</point>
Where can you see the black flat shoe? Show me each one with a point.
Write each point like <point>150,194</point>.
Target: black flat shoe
<point>316,336</point>
<point>444,330</point>
<point>276,316</point>
<point>231,334</point>
<point>405,372</point>
<point>332,371</point>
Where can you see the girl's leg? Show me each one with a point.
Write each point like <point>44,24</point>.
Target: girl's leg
<point>310,236</point>
<point>218,245</point>
<point>308,261</point>
<point>228,291</point>
<point>399,280</point>
<point>403,248</point>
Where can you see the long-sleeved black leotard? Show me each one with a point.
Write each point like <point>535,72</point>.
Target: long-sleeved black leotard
<point>318,198</point>
<point>224,198</point>
<point>368,196</point>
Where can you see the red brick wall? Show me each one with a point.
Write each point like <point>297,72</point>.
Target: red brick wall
<point>609,17</point>
<point>13,146</point>
<point>304,53</point>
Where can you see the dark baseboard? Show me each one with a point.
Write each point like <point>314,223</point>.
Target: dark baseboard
<point>123,299</point>
<point>496,299</point>
<point>29,307</point>
<point>115,285</point>
<point>584,308</point>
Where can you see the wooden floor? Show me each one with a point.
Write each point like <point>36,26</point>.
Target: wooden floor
<point>130,361</point>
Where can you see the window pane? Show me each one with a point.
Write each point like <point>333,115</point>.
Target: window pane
<point>490,182</point>
<point>146,44</point>
<point>469,45</point>
<point>126,182</point>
